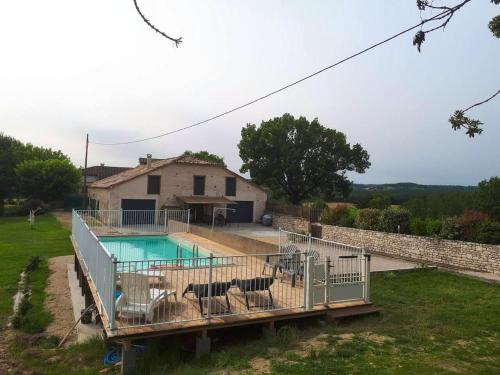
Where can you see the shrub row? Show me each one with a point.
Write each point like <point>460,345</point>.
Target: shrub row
<point>472,226</point>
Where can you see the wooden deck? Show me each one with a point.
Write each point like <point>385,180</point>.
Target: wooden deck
<point>184,315</point>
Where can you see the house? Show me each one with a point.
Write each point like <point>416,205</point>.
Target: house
<point>98,172</point>
<point>182,182</point>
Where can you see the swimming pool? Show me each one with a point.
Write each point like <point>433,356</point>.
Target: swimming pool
<point>141,248</point>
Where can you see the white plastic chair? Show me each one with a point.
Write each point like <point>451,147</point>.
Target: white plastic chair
<point>137,298</point>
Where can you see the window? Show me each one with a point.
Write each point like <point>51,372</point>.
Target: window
<point>154,184</point>
<point>199,185</point>
<point>231,186</point>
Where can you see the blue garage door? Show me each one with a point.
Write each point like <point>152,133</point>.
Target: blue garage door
<point>243,213</point>
<point>138,211</point>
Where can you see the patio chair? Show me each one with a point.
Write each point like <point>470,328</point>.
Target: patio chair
<point>218,289</point>
<point>295,267</point>
<point>277,261</point>
<point>255,285</point>
<point>138,298</point>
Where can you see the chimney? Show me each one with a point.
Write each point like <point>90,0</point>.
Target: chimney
<point>148,161</point>
<point>102,164</point>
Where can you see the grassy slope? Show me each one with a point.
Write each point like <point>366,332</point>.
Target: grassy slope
<point>437,322</point>
<point>17,244</point>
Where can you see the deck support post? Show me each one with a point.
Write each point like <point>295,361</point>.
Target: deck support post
<point>269,330</point>
<point>129,357</point>
<point>202,344</point>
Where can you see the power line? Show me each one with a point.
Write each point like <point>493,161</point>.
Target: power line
<point>436,17</point>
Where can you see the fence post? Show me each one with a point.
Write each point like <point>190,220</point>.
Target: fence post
<point>309,243</point>
<point>368,258</point>
<point>279,239</point>
<point>121,217</point>
<point>209,307</point>
<point>327,280</point>
<point>165,217</point>
<point>112,312</point>
<point>309,284</point>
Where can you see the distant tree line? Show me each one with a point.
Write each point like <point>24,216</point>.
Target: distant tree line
<point>468,216</point>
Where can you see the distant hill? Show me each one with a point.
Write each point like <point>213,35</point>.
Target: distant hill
<point>404,191</point>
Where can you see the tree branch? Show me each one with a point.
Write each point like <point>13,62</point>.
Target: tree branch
<point>177,41</point>
<point>484,101</point>
<point>472,126</point>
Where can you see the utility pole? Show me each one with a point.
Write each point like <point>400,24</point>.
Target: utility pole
<point>85,172</point>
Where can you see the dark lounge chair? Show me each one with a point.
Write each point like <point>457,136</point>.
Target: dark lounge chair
<point>200,291</point>
<point>255,285</point>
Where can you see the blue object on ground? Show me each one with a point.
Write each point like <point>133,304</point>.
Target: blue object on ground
<point>113,356</point>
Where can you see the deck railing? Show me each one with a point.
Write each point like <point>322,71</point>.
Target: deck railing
<point>130,222</point>
<point>99,263</point>
<point>152,292</point>
<point>309,244</point>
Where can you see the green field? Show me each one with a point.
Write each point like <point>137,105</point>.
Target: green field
<point>18,243</point>
<point>433,323</point>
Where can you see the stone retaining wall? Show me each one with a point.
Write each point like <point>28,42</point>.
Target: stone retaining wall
<point>457,254</point>
<point>291,223</point>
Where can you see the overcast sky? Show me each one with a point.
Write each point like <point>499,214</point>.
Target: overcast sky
<point>72,67</point>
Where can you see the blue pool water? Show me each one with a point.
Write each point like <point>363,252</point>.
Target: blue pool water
<point>142,248</point>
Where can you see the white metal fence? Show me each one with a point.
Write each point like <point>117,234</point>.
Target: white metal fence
<point>306,272</point>
<point>186,289</point>
<point>129,222</point>
<point>317,247</point>
<point>100,265</point>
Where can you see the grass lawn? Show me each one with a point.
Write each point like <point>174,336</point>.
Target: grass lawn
<point>434,323</point>
<point>18,243</point>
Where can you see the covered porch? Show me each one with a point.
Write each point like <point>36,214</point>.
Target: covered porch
<point>208,210</point>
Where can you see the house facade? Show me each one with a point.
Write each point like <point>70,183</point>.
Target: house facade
<point>181,182</point>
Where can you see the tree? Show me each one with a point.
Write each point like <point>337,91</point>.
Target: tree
<point>488,197</point>
<point>298,159</point>
<point>13,152</point>
<point>379,200</point>
<point>47,179</point>
<point>205,155</point>
<point>458,120</point>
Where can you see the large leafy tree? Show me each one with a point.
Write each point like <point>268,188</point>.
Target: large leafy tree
<point>47,179</point>
<point>13,152</point>
<point>205,155</point>
<point>298,159</point>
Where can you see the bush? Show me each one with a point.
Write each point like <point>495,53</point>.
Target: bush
<point>349,218</point>
<point>489,232</point>
<point>317,203</point>
<point>470,223</point>
<point>451,229</point>
<point>433,227</point>
<point>333,215</point>
<point>395,220</point>
<point>418,226</point>
<point>368,218</point>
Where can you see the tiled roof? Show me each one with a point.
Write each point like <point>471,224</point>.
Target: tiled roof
<point>131,173</point>
<point>103,171</point>
<point>143,169</point>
